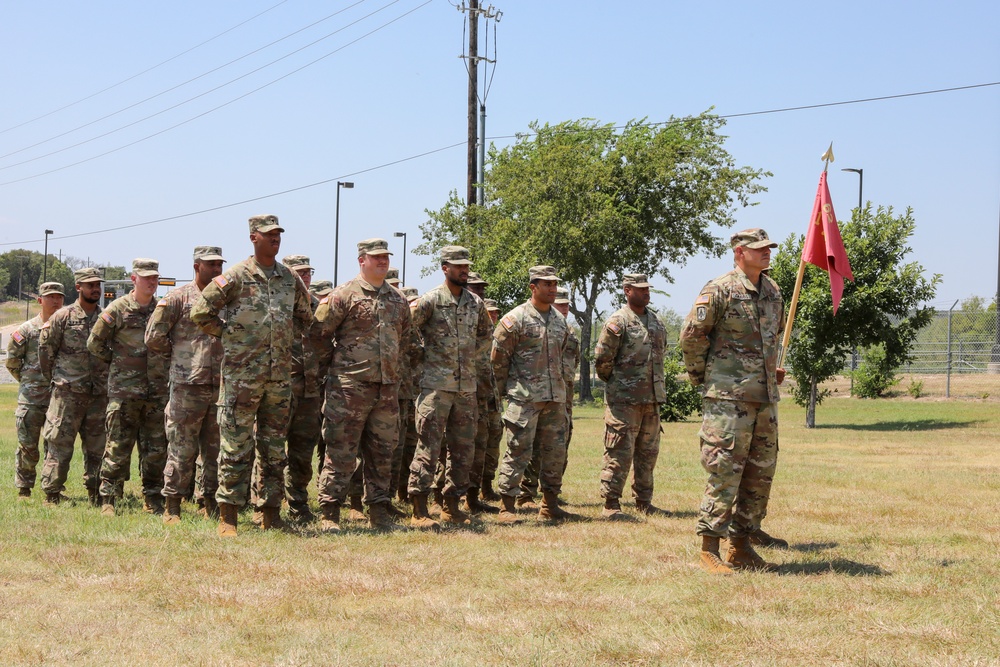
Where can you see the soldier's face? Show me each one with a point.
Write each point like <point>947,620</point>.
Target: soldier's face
<point>266,244</point>
<point>479,289</point>
<point>206,270</point>
<point>562,308</point>
<point>494,315</point>
<point>456,274</point>
<point>51,303</point>
<point>306,275</point>
<point>145,286</point>
<point>544,291</point>
<point>89,292</point>
<point>756,259</point>
<point>374,266</point>
<point>637,297</point>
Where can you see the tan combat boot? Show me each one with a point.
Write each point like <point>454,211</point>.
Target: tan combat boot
<point>550,510</point>
<point>53,498</point>
<point>379,517</point>
<point>421,518</point>
<point>741,556</point>
<point>357,511</point>
<point>452,513</point>
<point>436,504</point>
<point>475,505</point>
<point>227,520</point>
<point>526,502</point>
<point>271,518</point>
<point>488,494</point>
<point>508,512</point>
<point>647,508</point>
<point>759,538</point>
<point>107,505</point>
<point>709,558</point>
<point>330,523</point>
<point>613,510</point>
<point>94,497</point>
<point>23,495</point>
<point>172,515</point>
<point>152,504</point>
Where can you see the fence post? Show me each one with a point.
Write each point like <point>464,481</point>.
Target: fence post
<point>947,381</point>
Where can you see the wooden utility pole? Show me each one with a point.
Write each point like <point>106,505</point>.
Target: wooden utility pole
<point>472,64</point>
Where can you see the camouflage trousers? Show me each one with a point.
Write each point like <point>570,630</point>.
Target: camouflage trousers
<point>192,430</point>
<point>533,426</point>
<point>631,440</point>
<point>253,421</point>
<point>444,416</point>
<point>494,434</point>
<point>29,420</point>
<point>488,424</point>
<point>358,418</point>
<point>304,430</point>
<point>132,421</point>
<point>529,482</point>
<point>739,450</point>
<point>402,456</point>
<point>70,413</point>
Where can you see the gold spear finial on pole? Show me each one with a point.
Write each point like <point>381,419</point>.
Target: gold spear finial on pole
<point>827,157</point>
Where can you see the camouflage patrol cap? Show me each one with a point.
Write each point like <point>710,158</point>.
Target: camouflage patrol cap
<point>296,262</point>
<point>91,274</point>
<point>410,293</point>
<point>265,224</point>
<point>373,247</point>
<point>208,253</point>
<point>491,305</point>
<point>635,280</point>
<point>562,295</point>
<point>392,276</point>
<point>455,254</point>
<point>51,288</point>
<point>476,279</point>
<point>321,287</point>
<point>542,273</point>
<point>145,267</point>
<point>752,238</point>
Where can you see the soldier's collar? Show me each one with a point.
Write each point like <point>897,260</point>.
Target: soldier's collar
<point>745,280</point>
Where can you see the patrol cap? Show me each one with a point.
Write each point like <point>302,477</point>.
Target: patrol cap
<point>635,280</point>
<point>265,224</point>
<point>752,238</point>
<point>455,254</point>
<point>296,262</point>
<point>91,274</point>
<point>392,276</point>
<point>321,287</point>
<point>145,267</point>
<point>208,253</point>
<point>476,279</point>
<point>373,247</point>
<point>562,295</point>
<point>410,293</point>
<point>491,305</point>
<point>51,288</point>
<point>542,273</point>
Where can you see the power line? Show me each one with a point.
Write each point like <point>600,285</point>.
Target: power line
<point>463,142</point>
<point>145,71</point>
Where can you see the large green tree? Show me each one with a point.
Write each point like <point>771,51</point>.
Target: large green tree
<point>597,201</point>
<point>22,273</point>
<point>884,305</point>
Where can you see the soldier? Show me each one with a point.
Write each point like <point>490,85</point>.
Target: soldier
<point>491,457</point>
<point>33,387</point>
<point>402,457</point>
<point>363,333</point>
<point>629,358</point>
<point>455,328</point>
<point>730,341</point>
<point>320,289</point>
<point>79,390</point>
<point>194,360</point>
<point>135,404</point>
<point>392,277</point>
<point>306,411</point>
<point>266,308</point>
<point>529,347</point>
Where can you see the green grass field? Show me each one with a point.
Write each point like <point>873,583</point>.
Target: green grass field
<point>891,509</point>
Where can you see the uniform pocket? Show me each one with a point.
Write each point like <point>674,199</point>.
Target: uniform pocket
<point>718,437</point>
<point>516,414</point>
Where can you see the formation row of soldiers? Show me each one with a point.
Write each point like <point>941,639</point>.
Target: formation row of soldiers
<point>248,371</point>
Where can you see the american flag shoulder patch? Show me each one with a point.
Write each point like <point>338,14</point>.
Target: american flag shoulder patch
<point>161,302</point>
<point>702,299</point>
<point>18,338</point>
<point>613,327</point>
<point>220,281</point>
<point>325,299</point>
<point>106,316</point>
<point>507,322</point>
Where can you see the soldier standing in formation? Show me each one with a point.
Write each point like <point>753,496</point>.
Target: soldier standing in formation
<point>191,360</point>
<point>33,390</point>
<point>730,341</point>
<point>410,369</point>
<point>266,309</point>
<point>487,409</point>
<point>79,390</point>
<point>494,434</point>
<point>629,358</point>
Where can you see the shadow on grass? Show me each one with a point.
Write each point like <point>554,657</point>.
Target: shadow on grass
<point>915,425</point>
<point>811,547</point>
<point>835,566</point>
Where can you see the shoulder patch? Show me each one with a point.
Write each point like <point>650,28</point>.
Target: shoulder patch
<point>701,314</point>
<point>161,302</point>
<point>220,280</point>
<point>507,322</point>
<point>106,316</point>
<point>702,299</point>
<point>46,325</point>
<point>325,299</point>
<point>17,337</point>
<point>613,327</point>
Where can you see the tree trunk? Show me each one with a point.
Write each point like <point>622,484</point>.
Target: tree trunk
<point>585,318</point>
<point>811,409</point>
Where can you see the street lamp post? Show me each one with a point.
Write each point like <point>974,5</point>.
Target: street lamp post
<point>45,262</point>
<point>403,234</point>
<point>861,184</point>
<point>336,231</point>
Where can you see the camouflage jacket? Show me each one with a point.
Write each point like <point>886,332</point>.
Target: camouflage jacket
<point>410,368</point>
<point>305,363</point>
<point>572,362</point>
<point>456,336</point>
<point>23,364</point>
<point>119,338</point>
<point>731,337</point>
<point>363,333</point>
<point>529,360</point>
<point>174,341</point>
<point>629,357</point>
<point>63,353</point>
<point>258,319</point>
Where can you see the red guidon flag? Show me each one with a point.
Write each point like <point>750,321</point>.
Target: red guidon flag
<point>824,247</point>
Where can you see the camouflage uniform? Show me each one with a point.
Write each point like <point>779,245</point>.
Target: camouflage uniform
<point>194,359</point>
<point>135,404</point>
<point>730,341</point>
<point>320,289</point>
<point>629,358</point>
<point>259,314</point>
<point>79,393</point>
<point>32,398</point>
<point>529,363</point>
<point>494,425</point>
<point>456,335</point>
<point>362,333</point>
<point>410,371</point>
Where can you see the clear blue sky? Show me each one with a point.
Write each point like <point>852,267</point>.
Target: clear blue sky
<point>401,91</point>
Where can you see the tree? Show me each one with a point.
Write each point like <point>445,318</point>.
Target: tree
<point>22,273</point>
<point>881,307</point>
<point>596,202</point>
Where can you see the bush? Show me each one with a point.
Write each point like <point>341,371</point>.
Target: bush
<point>916,388</point>
<point>875,375</point>
<point>683,400</point>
